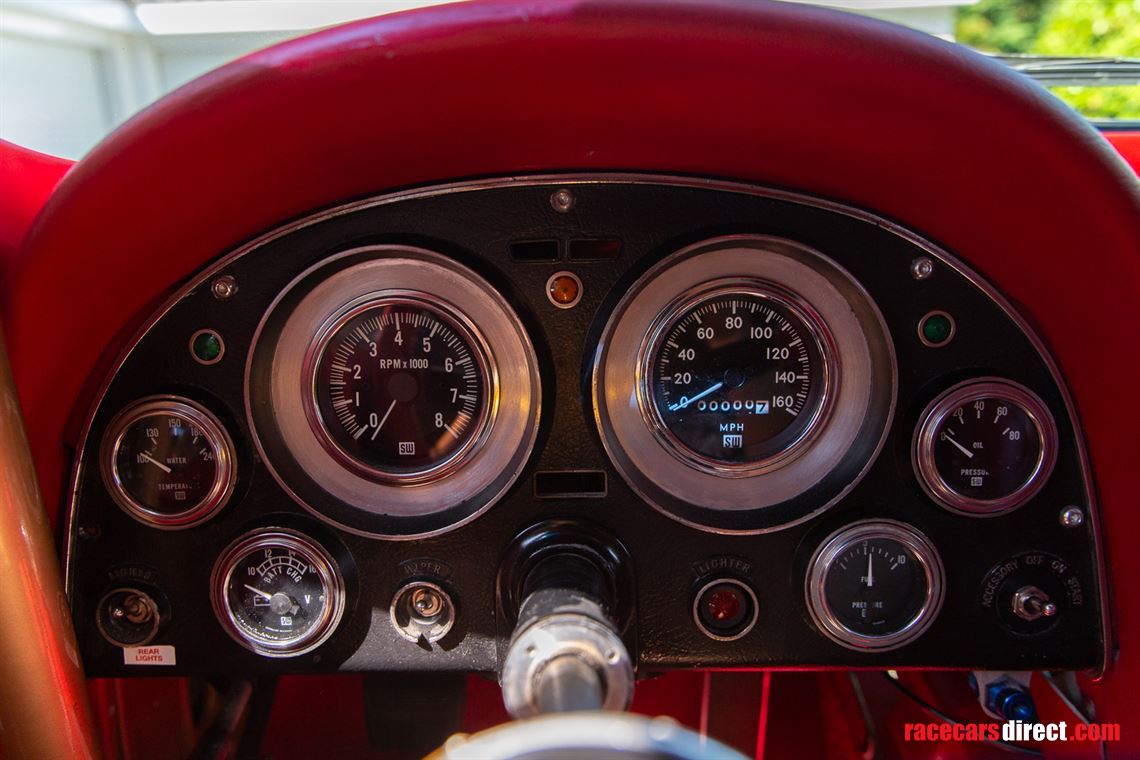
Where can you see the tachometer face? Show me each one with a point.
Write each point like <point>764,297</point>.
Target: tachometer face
<point>402,389</point>
<point>737,377</point>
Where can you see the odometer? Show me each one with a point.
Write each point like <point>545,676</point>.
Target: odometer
<point>402,388</point>
<point>737,378</point>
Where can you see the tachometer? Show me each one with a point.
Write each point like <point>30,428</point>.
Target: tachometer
<point>401,388</point>
<point>736,377</point>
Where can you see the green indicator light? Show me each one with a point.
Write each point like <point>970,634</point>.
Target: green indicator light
<point>936,328</point>
<point>207,346</point>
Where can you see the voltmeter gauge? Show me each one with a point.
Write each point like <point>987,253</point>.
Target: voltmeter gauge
<point>278,593</point>
<point>168,462</point>
<point>402,388</point>
<point>985,447</point>
<point>737,377</point>
<point>875,585</point>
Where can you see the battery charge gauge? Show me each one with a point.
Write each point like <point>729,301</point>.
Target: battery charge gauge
<point>278,593</point>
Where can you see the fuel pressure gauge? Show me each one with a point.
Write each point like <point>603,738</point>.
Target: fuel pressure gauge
<point>875,585</point>
<point>168,462</point>
<point>278,593</point>
<point>985,447</point>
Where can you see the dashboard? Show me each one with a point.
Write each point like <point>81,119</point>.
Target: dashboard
<point>790,432</point>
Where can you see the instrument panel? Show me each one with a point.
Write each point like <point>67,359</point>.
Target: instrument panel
<point>804,435</point>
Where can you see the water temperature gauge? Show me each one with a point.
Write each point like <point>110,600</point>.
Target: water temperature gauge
<point>875,585</point>
<point>985,447</point>
<point>278,593</point>
<point>168,462</point>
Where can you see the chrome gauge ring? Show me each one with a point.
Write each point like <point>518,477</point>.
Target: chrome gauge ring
<point>393,392</point>
<point>762,366</point>
<point>277,593</point>
<point>985,447</point>
<point>875,585</point>
<point>168,462</point>
<point>737,377</point>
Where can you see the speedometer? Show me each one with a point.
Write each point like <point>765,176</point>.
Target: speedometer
<point>401,388</point>
<point>736,377</point>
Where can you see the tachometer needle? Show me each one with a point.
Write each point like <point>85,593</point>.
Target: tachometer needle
<point>697,397</point>
<point>156,463</point>
<point>383,419</point>
<point>259,592</point>
<point>961,448</point>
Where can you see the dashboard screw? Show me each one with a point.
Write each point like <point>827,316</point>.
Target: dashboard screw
<point>562,200</point>
<point>224,288</point>
<point>1072,517</point>
<point>921,268</point>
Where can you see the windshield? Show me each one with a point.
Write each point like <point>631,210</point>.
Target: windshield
<point>73,70</point>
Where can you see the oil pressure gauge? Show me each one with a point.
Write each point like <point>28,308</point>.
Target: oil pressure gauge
<point>875,585</point>
<point>277,593</point>
<point>168,462</point>
<point>985,447</point>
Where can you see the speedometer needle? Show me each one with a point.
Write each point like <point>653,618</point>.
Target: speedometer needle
<point>155,462</point>
<point>697,397</point>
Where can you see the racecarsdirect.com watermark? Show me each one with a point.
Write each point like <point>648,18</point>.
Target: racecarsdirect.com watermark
<point>1015,731</point>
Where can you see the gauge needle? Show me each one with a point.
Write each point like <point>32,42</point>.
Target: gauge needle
<point>384,419</point>
<point>697,397</point>
<point>156,463</point>
<point>259,592</point>
<point>870,570</point>
<point>960,447</point>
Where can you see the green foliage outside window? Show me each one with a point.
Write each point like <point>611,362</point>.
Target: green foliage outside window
<point>1066,28</point>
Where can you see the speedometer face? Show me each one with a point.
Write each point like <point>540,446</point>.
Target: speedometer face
<point>737,377</point>
<point>402,388</point>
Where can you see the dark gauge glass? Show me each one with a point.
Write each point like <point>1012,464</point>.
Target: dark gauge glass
<point>402,389</point>
<point>278,593</point>
<point>985,447</point>
<point>168,462</point>
<point>737,378</point>
<point>875,585</point>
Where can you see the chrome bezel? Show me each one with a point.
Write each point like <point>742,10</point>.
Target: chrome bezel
<point>936,313</point>
<point>463,327</point>
<point>862,384</point>
<point>287,442</point>
<point>926,437</point>
<point>225,458</point>
<point>842,540</point>
<point>692,298</point>
<point>317,556</point>
<point>726,582</point>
